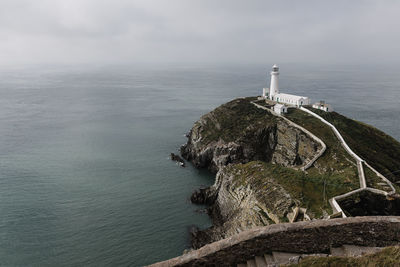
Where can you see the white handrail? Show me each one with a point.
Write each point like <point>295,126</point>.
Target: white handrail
<point>363,184</point>
<point>360,161</point>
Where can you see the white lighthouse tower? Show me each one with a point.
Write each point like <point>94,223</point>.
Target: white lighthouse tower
<point>274,87</point>
<point>282,98</point>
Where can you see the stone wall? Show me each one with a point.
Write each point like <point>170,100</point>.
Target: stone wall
<point>302,237</point>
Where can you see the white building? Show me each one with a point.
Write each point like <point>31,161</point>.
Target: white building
<point>294,100</point>
<point>280,109</point>
<point>323,106</point>
<point>273,92</point>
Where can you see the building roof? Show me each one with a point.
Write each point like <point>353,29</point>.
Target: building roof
<point>289,96</point>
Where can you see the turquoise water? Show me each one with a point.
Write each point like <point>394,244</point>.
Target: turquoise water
<point>85,177</point>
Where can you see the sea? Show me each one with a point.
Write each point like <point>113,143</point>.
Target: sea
<point>85,174</point>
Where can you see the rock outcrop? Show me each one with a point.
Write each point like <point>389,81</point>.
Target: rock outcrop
<point>238,132</point>
<point>239,201</point>
<point>228,137</point>
<point>178,159</point>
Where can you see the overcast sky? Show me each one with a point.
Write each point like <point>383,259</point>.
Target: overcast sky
<point>196,31</point>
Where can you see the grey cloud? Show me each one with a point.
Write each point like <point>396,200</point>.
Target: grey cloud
<point>113,31</point>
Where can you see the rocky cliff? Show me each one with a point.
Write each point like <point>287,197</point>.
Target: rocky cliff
<point>223,141</point>
<point>240,199</point>
<point>239,132</point>
<point>257,158</point>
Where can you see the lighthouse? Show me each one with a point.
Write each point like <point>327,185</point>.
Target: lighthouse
<point>274,87</point>
<point>272,93</point>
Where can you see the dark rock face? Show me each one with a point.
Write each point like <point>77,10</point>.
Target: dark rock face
<point>203,196</point>
<point>178,159</point>
<point>366,203</point>
<point>200,238</point>
<point>259,146</point>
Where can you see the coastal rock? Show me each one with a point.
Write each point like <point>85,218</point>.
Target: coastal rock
<point>258,158</point>
<point>240,201</point>
<point>229,141</point>
<point>239,132</point>
<point>204,196</point>
<point>260,180</point>
<point>178,159</point>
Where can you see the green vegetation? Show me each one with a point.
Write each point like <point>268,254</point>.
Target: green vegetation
<point>311,190</point>
<point>234,120</point>
<point>336,162</point>
<point>374,180</point>
<point>380,150</point>
<point>389,256</point>
<point>334,173</point>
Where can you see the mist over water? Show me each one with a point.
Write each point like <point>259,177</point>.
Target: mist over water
<point>85,177</point>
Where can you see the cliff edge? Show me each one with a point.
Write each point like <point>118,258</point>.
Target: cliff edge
<point>258,159</point>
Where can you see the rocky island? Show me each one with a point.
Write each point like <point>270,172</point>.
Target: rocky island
<point>262,178</point>
<point>305,187</point>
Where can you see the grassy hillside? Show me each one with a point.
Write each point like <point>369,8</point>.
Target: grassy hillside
<point>380,150</point>
<point>234,119</point>
<point>311,190</point>
<point>334,173</point>
<point>335,162</point>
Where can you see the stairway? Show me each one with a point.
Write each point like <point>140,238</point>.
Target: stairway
<point>283,258</point>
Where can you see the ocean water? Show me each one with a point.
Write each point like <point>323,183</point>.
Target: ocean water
<point>85,178</point>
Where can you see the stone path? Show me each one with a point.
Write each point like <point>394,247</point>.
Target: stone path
<point>363,184</point>
<point>337,210</point>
